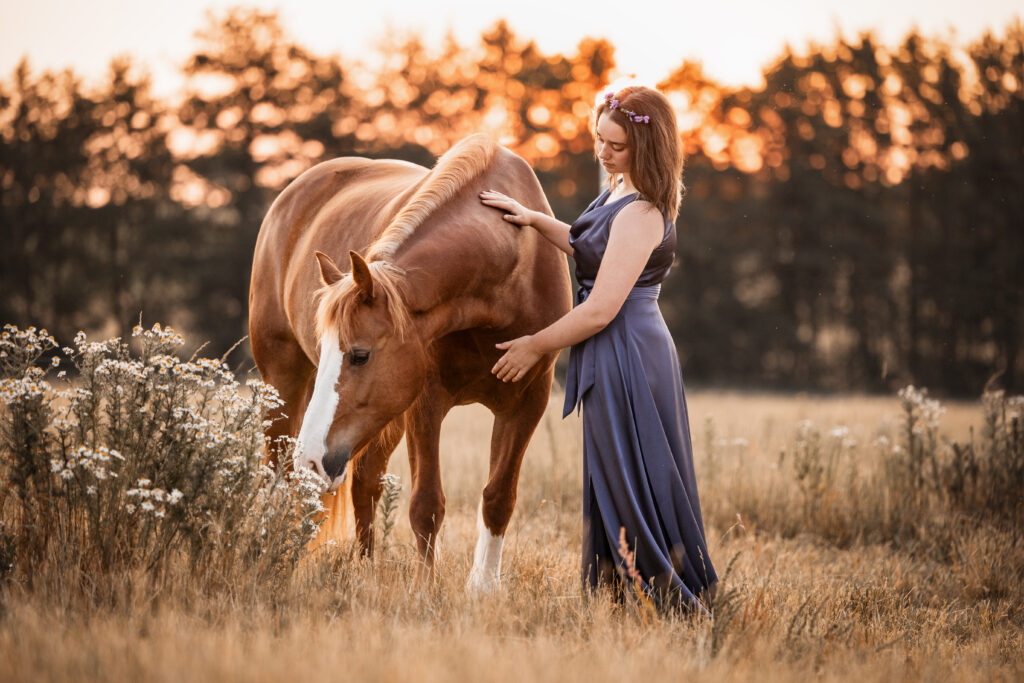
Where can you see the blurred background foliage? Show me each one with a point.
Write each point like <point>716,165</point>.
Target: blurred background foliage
<point>855,224</point>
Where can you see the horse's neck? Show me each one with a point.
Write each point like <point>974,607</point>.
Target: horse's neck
<point>452,284</point>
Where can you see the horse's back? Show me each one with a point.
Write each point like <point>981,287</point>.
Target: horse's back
<point>335,206</point>
<point>307,207</point>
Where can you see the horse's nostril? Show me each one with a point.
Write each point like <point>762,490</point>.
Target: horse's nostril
<point>334,463</point>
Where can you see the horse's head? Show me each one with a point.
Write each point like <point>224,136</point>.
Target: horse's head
<point>372,364</point>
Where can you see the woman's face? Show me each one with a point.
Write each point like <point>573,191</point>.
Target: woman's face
<point>611,146</point>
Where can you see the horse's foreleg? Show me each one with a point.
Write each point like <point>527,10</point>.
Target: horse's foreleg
<point>512,431</point>
<point>366,480</point>
<point>283,365</point>
<point>426,504</point>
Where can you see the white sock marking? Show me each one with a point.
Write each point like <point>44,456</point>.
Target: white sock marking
<point>486,572</point>
<point>320,412</point>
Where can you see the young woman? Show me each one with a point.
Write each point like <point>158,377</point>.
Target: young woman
<point>623,368</point>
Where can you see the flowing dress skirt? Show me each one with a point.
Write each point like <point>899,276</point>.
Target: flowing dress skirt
<point>637,458</point>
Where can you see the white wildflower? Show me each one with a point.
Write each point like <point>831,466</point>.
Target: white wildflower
<point>1016,407</point>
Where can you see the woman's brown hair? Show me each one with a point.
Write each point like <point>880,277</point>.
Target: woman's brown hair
<point>655,151</point>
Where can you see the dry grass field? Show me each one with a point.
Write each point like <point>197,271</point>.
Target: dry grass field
<point>831,571</point>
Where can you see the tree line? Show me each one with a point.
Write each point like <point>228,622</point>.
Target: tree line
<point>855,223</point>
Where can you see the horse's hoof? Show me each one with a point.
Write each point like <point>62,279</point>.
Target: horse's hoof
<point>479,583</point>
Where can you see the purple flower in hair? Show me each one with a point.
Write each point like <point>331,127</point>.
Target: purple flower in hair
<point>613,103</point>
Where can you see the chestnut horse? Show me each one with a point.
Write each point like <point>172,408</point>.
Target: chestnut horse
<point>434,280</point>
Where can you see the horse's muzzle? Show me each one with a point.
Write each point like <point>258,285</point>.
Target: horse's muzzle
<point>335,462</point>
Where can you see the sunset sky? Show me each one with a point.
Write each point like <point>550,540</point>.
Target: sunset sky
<point>733,40</point>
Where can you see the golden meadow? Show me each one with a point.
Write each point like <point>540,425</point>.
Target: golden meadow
<point>141,538</point>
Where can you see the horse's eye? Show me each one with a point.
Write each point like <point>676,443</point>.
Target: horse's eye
<point>360,357</point>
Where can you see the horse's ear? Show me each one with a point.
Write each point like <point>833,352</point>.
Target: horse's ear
<point>329,272</point>
<point>361,274</point>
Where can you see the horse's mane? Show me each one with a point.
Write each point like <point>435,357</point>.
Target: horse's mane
<point>464,162</point>
<point>459,166</point>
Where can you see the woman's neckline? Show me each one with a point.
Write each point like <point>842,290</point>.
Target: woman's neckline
<point>608,198</point>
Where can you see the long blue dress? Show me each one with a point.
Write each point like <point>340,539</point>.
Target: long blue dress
<point>637,457</point>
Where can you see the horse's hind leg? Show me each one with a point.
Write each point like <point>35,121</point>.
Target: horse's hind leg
<point>509,438</point>
<point>366,480</point>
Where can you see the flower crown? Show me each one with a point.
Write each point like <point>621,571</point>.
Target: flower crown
<point>613,103</point>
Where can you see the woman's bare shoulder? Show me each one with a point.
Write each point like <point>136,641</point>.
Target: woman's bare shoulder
<point>642,217</point>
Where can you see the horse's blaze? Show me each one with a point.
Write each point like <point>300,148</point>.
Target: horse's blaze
<point>316,422</point>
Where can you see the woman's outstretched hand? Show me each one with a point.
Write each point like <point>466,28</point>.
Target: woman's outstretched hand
<point>520,356</point>
<point>515,212</point>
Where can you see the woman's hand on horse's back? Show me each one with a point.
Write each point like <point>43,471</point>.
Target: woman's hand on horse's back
<point>515,212</point>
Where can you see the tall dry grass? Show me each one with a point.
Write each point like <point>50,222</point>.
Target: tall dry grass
<point>855,542</point>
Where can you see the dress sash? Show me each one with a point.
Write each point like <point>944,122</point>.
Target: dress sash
<point>580,375</point>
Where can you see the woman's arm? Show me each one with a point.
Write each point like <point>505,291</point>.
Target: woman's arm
<point>554,230</point>
<point>636,231</point>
